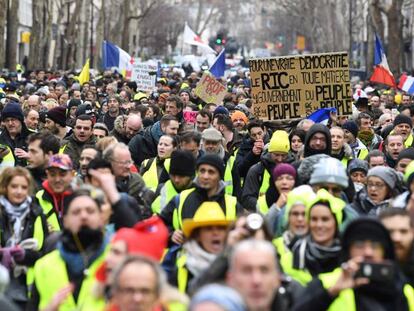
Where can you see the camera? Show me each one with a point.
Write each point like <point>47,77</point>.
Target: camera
<point>380,272</point>
<point>254,222</point>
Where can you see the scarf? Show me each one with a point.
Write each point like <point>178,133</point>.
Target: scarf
<point>16,214</point>
<point>197,258</point>
<point>314,257</point>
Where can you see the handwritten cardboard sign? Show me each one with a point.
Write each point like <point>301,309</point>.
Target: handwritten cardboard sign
<point>295,86</point>
<point>210,90</point>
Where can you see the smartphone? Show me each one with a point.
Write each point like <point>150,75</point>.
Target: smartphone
<point>380,272</point>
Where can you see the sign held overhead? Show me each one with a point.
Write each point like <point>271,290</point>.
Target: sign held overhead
<point>293,87</point>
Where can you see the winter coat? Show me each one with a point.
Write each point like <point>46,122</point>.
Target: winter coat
<point>73,148</point>
<point>144,144</point>
<point>18,142</point>
<point>363,205</point>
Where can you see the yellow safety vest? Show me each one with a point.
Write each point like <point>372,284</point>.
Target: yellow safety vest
<point>286,262</point>
<point>346,298</point>
<point>362,154</point>
<point>49,211</point>
<point>261,205</point>
<point>280,246</point>
<point>167,192</point>
<point>8,159</point>
<point>182,273</point>
<point>151,177</point>
<point>39,236</point>
<point>228,178</point>
<point>62,149</point>
<point>229,200</point>
<point>51,275</point>
<point>345,161</point>
<point>409,141</point>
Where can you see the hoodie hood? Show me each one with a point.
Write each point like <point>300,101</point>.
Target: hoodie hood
<point>317,128</point>
<point>156,131</point>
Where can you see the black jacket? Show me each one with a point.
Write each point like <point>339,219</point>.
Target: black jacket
<point>18,142</point>
<point>317,128</point>
<point>254,179</point>
<point>144,144</point>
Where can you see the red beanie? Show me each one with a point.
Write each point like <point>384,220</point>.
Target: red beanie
<point>148,237</point>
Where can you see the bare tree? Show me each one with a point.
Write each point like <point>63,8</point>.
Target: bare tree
<point>11,40</point>
<point>3,18</point>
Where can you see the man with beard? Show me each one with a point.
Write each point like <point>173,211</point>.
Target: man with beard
<point>403,126</point>
<point>56,122</point>
<point>41,146</point>
<point>208,186</point>
<point>317,140</point>
<point>88,153</point>
<point>366,242</point>
<point>366,133</point>
<point>53,197</point>
<point>13,138</point>
<point>64,277</point>
<point>394,144</point>
<point>212,143</point>
<point>82,135</point>
<point>113,112</point>
<point>400,226</point>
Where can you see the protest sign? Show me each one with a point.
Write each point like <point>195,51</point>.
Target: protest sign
<point>144,74</point>
<point>295,86</point>
<point>210,90</point>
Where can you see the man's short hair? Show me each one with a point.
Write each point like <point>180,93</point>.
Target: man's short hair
<point>255,123</point>
<point>101,126</point>
<point>224,120</point>
<point>159,273</point>
<point>363,115</point>
<point>392,212</point>
<point>205,113</point>
<point>108,153</point>
<point>388,137</point>
<point>48,142</point>
<point>98,163</point>
<point>252,245</point>
<point>177,100</point>
<point>84,117</point>
<point>375,153</point>
<point>191,136</point>
<point>166,119</point>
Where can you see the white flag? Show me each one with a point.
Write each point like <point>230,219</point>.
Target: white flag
<point>190,37</point>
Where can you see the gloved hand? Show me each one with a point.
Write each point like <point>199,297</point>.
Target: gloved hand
<point>6,259</point>
<point>17,253</point>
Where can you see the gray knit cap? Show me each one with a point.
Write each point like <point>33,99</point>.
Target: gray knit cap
<point>329,170</point>
<point>387,174</point>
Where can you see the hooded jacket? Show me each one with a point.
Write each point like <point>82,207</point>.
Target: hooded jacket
<point>363,205</point>
<point>144,144</point>
<point>317,128</point>
<point>254,180</point>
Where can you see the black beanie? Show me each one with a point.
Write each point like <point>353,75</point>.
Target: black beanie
<point>12,110</point>
<point>403,119</point>
<point>367,228</point>
<point>57,115</point>
<point>182,163</point>
<point>74,102</point>
<point>352,127</point>
<point>213,160</point>
<point>406,154</point>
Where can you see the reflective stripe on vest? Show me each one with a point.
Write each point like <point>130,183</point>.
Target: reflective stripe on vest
<point>167,192</point>
<point>51,275</point>
<point>265,183</point>
<point>229,201</point>
<point>228,177</point>
<point>346,298</point>
<point>49,211</point>
<point>62,149</point>
<point>8,159</point>
<point>182,274</point>
<point>362,154</point>
<point>261,205</point>
<point>286,262</point>
<point>151,177</point>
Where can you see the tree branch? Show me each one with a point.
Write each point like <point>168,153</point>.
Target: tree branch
<point>145,13</point>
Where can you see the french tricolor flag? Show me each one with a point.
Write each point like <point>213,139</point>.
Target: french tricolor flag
<point>382,73</point>
<point>406,84</point>
<point>114,56</point>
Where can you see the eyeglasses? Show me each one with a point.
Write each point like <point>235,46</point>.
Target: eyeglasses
<point>123,163</point>
<point>376,186</point>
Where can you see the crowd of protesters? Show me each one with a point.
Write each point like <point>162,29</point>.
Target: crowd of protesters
<point>113,198</point>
